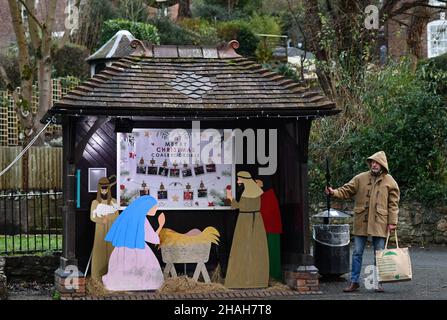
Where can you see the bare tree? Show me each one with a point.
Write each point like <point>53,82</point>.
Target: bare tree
<point>34,40</point>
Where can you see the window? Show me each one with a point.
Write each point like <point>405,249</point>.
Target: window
<point>437,38</point>
<point>99,67</point>
<point>437,3</point>
<point>94,174</point>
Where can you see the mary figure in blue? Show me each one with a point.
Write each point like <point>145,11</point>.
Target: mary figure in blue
<point>132,264</point>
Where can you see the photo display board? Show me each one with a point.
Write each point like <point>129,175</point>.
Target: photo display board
<point>149,163</point>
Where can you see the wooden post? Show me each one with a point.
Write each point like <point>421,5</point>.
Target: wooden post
<point>68,279</point>
<point>292,191</point>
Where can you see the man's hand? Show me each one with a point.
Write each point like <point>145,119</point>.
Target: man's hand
<point>329,191</point>
<point>392,227</point>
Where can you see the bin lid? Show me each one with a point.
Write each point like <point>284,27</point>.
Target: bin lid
<point>332,214</point>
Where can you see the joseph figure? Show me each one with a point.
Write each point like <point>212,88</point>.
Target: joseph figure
<point>103,213</point>
<point>248,265</point>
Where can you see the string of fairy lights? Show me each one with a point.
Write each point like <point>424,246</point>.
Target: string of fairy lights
<point>262,115</point>
<point>267,116</point>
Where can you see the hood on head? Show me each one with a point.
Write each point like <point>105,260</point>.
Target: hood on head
<point>380,157</point>
<point>251,189</point>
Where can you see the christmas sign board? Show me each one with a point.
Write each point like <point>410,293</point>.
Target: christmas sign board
<point>180,172</point>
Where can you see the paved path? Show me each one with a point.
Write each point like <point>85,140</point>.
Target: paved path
<point>429,282</point>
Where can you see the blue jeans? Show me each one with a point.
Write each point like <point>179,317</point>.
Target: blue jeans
<point>357,254</point>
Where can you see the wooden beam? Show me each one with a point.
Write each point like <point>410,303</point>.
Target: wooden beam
<point>80,147</point>
<point>69,211</point>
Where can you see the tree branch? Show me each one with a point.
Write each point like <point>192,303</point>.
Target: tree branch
<point>36,41</point>
<point>400,22</point>
<point>390,7</point>
<point>14,93</point>
<point>4,76</point>
<point>31,13</point>
<point>303,57</point>
<point>51,16</point>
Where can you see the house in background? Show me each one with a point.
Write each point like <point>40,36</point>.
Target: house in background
<point>433,40</point>
<point>7,35</point>
<point>164,9</point>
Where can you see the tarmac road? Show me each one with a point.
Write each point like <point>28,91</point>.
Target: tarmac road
<point>429,282</point>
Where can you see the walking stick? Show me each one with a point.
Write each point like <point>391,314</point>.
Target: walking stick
<point>88,264</point>
<point>328,197</point>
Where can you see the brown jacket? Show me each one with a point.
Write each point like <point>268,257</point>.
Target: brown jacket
<point>376,200</point>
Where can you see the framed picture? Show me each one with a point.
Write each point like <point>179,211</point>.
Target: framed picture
<point>94,174</point>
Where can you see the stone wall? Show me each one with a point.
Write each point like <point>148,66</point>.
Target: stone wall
<point>417,225</point>
<point>31,268</point>
<point>3,284</point>
<point>421,225</point>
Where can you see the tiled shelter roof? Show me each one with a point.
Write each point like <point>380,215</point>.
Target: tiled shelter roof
<point>158,80</point>
<point>117,47</point>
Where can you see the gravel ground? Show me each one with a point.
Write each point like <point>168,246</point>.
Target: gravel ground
<point>30,291</point>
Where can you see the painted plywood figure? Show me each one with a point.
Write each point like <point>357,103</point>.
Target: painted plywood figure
<point>191,247</point>
<point>133,265</point>
<point>273,226</point>
<point>248,265</point>
<point>103,212</point>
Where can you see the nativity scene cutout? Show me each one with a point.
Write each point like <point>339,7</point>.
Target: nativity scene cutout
<point>122,260</point>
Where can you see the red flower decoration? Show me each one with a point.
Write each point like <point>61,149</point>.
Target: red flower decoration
<point>210,204</point>
<point>122,187</point>
<point>132,155</point>
<point>228,187</point>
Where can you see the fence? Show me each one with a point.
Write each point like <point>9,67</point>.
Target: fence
<point>9,124</point>
<point>44,168</point>
<point>30,222</point>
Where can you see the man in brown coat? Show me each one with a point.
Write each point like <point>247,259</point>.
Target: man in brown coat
<point>375,211</point>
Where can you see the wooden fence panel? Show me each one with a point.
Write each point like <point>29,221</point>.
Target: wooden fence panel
<point>44,168</point>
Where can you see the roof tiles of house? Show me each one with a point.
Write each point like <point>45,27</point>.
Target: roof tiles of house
<point>162,80</point>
